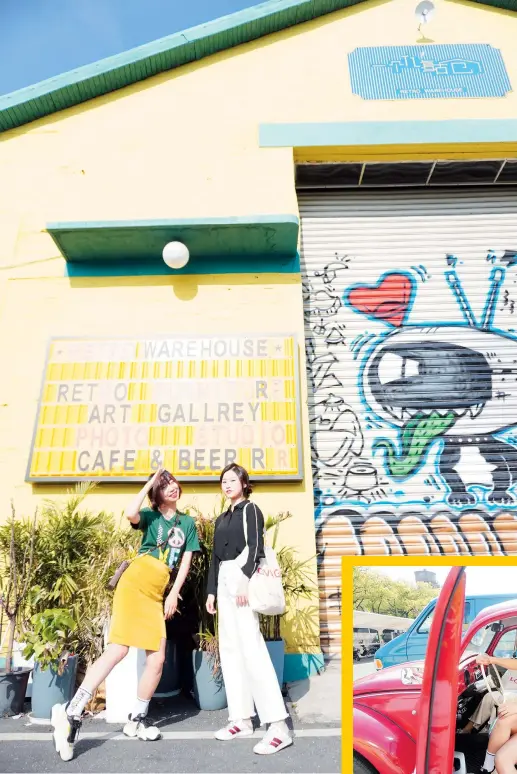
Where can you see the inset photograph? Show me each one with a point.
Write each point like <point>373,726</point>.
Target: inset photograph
<point>434,654</point>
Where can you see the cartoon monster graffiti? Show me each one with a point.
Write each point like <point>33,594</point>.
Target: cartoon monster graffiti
<point>452,384</point>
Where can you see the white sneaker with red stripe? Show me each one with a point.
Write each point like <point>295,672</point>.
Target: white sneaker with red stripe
<point>233,730</point>
<point>273,742</point>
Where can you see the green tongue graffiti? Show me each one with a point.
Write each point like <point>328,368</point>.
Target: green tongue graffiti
<point>417,436</point>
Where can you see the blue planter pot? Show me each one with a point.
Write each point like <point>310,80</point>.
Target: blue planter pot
<point>170,684</point>
<point>209,691</point>
<point>12,691</point>
<point>276,650</point>
<point>49,688</point>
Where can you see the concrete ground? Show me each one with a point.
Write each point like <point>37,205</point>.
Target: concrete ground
<point>318,699</point>
<point>188,745</point>
<point>363,668</point>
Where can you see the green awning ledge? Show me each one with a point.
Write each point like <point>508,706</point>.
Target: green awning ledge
<point>216,245</point>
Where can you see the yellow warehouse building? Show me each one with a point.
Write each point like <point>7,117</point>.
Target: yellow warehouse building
<point>344,177</point>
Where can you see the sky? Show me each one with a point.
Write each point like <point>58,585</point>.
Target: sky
<point>480,580</point>
<point>43,38</point>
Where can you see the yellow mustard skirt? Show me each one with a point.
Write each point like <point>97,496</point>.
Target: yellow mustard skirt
<point>137,619</point>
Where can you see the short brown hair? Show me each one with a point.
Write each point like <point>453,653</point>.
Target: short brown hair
<point>242,475</point>
<point>156,493</point>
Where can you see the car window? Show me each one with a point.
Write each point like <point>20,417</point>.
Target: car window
<point>466,618</point>
<point>480,641</point>
<point>425,626</point>
<point>506,646</point>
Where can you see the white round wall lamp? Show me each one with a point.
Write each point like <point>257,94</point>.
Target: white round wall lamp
<point>176,255</point>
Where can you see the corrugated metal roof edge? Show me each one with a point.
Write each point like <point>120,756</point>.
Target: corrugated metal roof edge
<point>115,72</point>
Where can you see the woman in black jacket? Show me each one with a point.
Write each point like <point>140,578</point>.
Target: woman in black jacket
<point>249,676</point>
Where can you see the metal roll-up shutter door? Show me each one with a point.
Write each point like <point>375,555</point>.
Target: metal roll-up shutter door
<point>410,300</point>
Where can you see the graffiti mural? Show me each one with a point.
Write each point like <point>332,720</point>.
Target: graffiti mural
<point>413,413</point>
<point>425,399</point>
<point>411,348</point>
<point>410,414</point>
<point>456,385</point>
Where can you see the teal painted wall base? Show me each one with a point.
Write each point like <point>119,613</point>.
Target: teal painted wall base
<point>299,666</point>
<point>224,265</point>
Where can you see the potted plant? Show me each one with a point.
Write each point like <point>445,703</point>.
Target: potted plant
<point>79,549</point>
<point>50,641</point>
<point>297,584</point>
<point>209,691</point>
<point>17,540</point>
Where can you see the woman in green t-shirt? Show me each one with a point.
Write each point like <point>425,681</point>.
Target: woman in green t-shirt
<point>139,609</point>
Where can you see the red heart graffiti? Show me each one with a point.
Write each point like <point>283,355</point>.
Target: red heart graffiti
<point>390,300</point>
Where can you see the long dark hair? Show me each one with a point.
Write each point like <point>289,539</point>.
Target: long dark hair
<point>156,493</point>
<point>242,475</point>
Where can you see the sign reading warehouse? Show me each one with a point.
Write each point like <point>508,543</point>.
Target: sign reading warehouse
<point>116,409</point>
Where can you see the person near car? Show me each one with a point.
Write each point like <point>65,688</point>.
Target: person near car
<point>506,756</point>
<point>506,725</point>
<point>249,676</point>
<point>485,712</point>
<point>139,609</point>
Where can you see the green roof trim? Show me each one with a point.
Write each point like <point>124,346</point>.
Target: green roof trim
<point>128,242</point>
<point>115,72</point>
<point>107,75</point>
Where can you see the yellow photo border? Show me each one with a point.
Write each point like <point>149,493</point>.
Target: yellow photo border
<point>347,664</point>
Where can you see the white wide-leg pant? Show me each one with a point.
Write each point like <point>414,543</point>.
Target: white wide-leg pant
<point>249,675</point>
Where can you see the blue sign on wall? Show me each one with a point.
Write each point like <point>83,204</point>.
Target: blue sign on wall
<point>428,72</point>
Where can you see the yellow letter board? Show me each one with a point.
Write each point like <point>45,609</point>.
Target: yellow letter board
<point>114,409</point>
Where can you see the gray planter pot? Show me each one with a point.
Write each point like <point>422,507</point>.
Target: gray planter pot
<point>170,683</point>
<point>49,688</point>
<point>209,691</point>
<point>12,690</point>
<point>276,650</point>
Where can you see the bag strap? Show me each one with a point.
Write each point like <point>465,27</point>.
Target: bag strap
<point>245,520</point>
<point>160,543</point>
<point>245,524</point>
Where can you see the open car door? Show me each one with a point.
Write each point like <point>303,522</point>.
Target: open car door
<point>439,697</point>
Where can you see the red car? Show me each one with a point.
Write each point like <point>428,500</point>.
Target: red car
<point>407,717</point>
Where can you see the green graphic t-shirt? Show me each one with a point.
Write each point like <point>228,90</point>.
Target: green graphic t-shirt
<point>156,527</point>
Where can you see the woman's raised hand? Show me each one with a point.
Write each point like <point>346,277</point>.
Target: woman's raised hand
<point>154,479</point>
<point>210,604</point>
<point>132,511</point>
<point>483,659</point>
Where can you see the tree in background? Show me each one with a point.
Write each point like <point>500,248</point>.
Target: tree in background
<point>376,593</point>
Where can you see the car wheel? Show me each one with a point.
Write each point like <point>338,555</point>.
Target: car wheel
<point>362,767</point>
